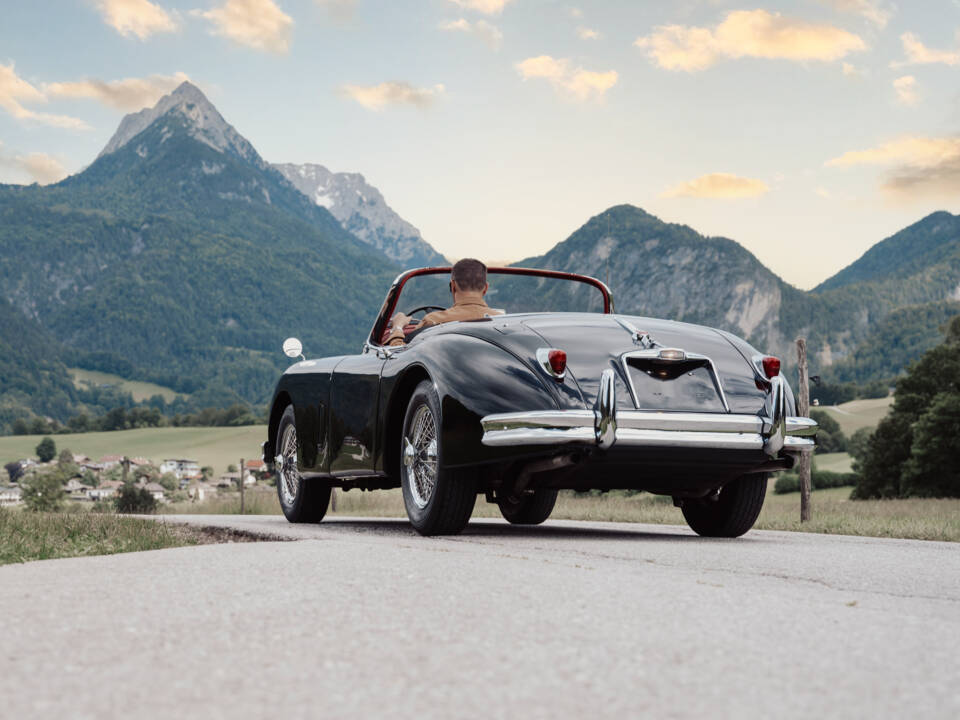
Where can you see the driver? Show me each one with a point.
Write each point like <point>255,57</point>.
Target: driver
<point>468,284</point>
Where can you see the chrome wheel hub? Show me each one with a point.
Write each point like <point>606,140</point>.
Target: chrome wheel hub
<point>288,477</point>
<point>420,456</point>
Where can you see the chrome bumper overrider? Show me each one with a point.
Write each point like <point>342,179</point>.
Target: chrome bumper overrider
<point>604,426</point>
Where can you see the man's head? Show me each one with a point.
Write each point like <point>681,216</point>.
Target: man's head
<point>470,276</point>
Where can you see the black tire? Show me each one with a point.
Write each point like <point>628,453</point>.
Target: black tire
<point>529,509</point>
<point>733,513</point>
<point>305,500</point>
<point>446,508</point>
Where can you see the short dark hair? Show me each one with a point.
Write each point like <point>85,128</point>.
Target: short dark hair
<point>469,274</point>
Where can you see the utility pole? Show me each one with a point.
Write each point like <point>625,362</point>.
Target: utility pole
<point>242,484</point>
<point>803,409</point>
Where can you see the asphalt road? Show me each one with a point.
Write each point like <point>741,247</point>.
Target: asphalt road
<point>363,618</point>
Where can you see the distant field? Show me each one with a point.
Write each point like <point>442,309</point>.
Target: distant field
<point>856,414</point>
<point>216,447</point>
<point>834,462</point>
<point>139,390</point>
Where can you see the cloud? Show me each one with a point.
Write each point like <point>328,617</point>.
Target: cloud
<point>906,88</point>
<point>136,17</point>
<point>718,185</point>
<point>851,71</point>
<point>259,24</point>
<point>489,34</point>
<point>39,167</point>
<point>377,97</point>
<point>873,10</point>
<point>575,12</point>
<point>919,54</point>
<point>15,92</point>
<point>586,33</point>
<point>747,33</point>
<point>487,7</point>
<point>128,94</point>
<point>912,150</point>
<point>918,167</point>
<point>338,9</point>
<point>576,83</point>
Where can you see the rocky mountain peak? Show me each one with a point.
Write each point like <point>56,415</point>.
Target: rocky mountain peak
<point>362,210</point>
<point>202,120</point>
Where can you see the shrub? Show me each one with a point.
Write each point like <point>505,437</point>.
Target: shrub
<point>46,450</point>
<point>42,492</point>
<point>14,470</point>
<point>830,437</point>
<point>132,499</point>
<point>819,480</point>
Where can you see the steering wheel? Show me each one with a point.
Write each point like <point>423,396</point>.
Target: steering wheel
<point>424,307</point>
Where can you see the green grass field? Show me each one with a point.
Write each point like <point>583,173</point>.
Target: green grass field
<point>216,447</point>
<point>856,414</point>
<point>834,462</point>
<point>140,390</point>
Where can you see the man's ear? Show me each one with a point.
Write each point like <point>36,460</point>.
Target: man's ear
<point>485,288</point>
<point>453,287</point>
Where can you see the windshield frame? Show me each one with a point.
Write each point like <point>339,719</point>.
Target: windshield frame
<point>393,294</point>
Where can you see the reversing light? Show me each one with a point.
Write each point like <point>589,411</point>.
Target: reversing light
<point>558,361</point>
<point>771,366</point>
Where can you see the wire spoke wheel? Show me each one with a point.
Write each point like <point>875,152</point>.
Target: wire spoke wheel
<point>289,475</point>
<point>420,456</point>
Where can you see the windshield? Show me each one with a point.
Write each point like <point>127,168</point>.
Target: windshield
<point>512,290</point>
<point>508,293</point>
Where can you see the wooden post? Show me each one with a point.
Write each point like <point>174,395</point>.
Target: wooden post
<point>242,484</point>
<point>803,409</point>
<point>125,463</point>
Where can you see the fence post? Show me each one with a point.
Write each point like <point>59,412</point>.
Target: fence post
<point>803,409</point>
<point>242,486</point>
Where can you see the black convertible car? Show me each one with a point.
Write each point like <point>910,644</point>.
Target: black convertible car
<point>520,405</point>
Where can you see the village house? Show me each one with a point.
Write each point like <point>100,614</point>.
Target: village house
<point>109,461</point>
<point>75,487</point>
<point>180,467</point>
<point>155,489</point>
<point>10,496</point>
<point>106,490</point>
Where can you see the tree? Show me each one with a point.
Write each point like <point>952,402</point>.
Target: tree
<point>231,468</point>
<point>46,450</point>
<point>933,469</point>
<point>42,492</point>
<point>169,481</point>
<point>132,499</point>
<point>14,470</point>
<point>830,437</point>
<point>897,460</point>
<point>858,442</point>
<point>90,479</point>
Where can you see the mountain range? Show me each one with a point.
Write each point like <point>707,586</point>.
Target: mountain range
<point>182,257</point>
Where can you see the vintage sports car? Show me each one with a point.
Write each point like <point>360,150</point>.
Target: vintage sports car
<point>518,406</point>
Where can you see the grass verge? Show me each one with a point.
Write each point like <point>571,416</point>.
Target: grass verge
<point>26,536</point>
<point>833,511</point>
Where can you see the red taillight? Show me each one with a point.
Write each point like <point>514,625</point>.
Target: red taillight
<point>771,366</point>
<point>558,361</point>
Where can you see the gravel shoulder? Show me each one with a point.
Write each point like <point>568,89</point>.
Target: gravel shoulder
<point>364,617</point>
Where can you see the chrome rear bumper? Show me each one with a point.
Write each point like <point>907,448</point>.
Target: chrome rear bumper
<point>604,426</point>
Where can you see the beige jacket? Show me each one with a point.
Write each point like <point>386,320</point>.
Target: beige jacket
<point>469,309</point>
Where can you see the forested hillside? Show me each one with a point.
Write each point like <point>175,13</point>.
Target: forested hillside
<point>175,261</point>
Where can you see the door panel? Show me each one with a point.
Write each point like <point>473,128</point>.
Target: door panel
<point>354,395</point>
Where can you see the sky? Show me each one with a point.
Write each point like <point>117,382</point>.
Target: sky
<point>806,130</point>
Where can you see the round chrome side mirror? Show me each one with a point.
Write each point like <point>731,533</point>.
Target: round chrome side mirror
<point>293,348</point>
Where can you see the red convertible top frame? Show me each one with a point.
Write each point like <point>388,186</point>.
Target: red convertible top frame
<point>393,294</point>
